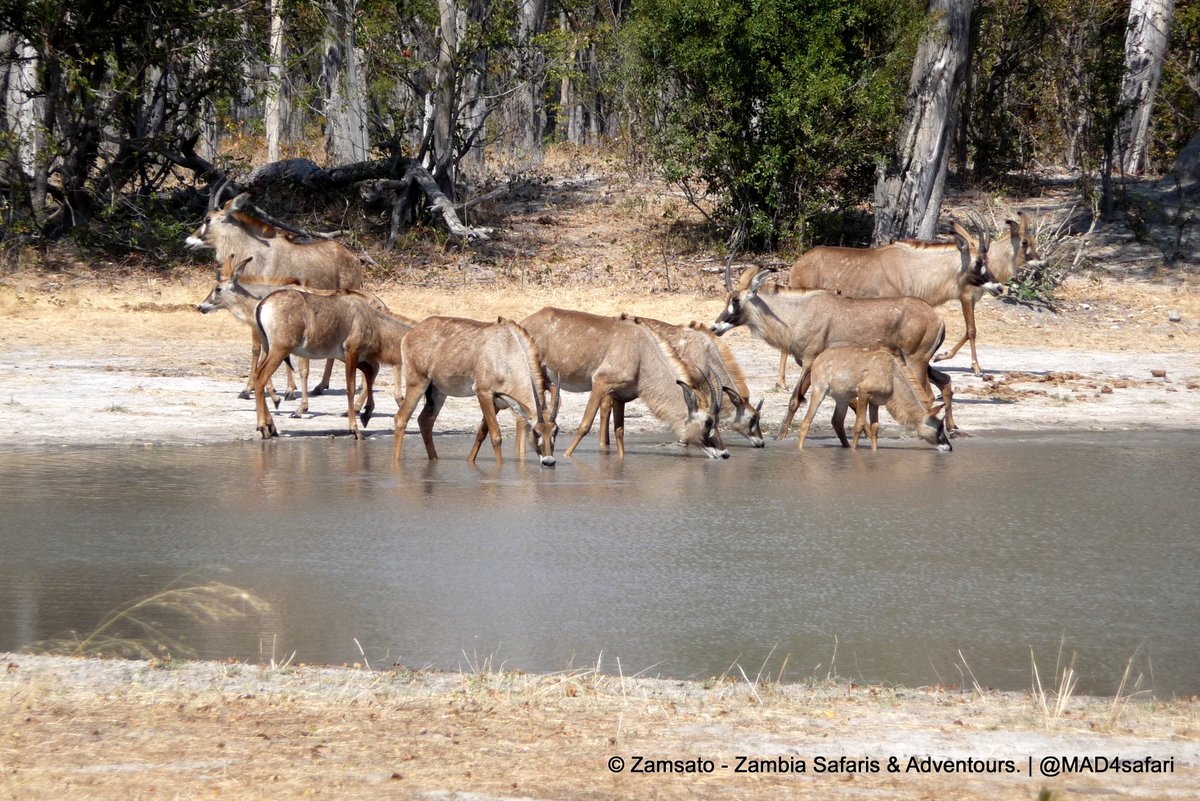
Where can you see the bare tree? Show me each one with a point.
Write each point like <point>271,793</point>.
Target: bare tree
<point>908,189</point>
<point>1146,44</point>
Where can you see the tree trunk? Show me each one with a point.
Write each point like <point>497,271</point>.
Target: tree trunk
<point>274,110</point>
<point>908,190</point>
<point>345,94</point>
<point>445,97</point>
<point>1145,50</point>
<point>526,113</point>
<point>21,101</point>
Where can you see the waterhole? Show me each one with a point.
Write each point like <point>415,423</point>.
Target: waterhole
<point>904,566</point>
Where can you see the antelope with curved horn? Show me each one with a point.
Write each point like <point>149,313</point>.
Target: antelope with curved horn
<point>241,298</point>
<point>496,362</point>
<point>233,232</point>
<point>869,378</point>
<point>343,325</point>
<point>624,360</point>
<point>935,272</point>
<point>1006,256</point>
<point>803,323</point>
<point>698,347</point>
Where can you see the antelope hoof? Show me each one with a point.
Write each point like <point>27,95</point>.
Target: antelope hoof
<point>245,395</point>
<point>268,431</point>
<point>294,415</point>
<point>319,389</point>
<point>359,435</point>
<point>365,416</point>
<point>276,399</point>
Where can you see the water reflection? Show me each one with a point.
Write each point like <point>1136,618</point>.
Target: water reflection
<point>921,567</point>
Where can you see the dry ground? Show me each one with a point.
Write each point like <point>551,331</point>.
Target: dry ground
<point>131,730</point>
<point>106,356</point>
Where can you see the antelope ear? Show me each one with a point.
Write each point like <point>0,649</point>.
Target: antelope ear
<point>241,268</point>
<point>1014,226</point>
<point>734,397</point>
<point>689,395</point>
<point>512,403</point>
<point>961,238</point>
<point>760,278</point>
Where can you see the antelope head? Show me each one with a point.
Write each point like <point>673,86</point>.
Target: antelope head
<point>228,285</point>
<point>747,419</point>
<point>933,429</point>
<point>701,423</point>
<point>205,236</point>
<point>734,313</point>
<point>974,250</point>
<point>1027,234</point>
<point>544,430</point>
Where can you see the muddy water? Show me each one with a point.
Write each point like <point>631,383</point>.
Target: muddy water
<point>904,566</point>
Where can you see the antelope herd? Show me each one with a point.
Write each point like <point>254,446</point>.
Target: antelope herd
<point>861,322</point>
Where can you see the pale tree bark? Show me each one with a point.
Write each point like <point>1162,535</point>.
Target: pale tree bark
<point>21,99</point>
<point>570,123</point>
<point>445,95</point>
<point>1146,44</point>
<point>345,92</point>
<point>909,188</point>
<point>526,113</point>
<point>274,104</point>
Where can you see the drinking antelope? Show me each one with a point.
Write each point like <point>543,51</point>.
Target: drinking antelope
<point>803,323</point>
<point>496,362</point>
<point>621,359</point>
<point>235,234</point>
<point>696,345</point>
<point>343,325</point>
<point>869,378</point>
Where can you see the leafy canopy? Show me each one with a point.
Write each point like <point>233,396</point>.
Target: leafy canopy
<point>777,109</point>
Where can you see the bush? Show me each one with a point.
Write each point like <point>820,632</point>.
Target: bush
<point>778,110</point>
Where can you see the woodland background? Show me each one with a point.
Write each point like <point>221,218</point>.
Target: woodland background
<point>785,123</point>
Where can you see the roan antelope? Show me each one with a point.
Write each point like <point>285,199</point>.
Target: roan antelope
<point>869,378</point>
<point>698,346</point>
<point>496,362</point>
<point>805,323</point>
<point>608,356</point>
<point>935,272</point>
<point>1006,256</point>
<point>280,255</point>
<point>342,325</point>
<point>241,298</point>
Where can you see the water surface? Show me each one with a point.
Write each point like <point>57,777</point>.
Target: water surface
<point>904,566</point>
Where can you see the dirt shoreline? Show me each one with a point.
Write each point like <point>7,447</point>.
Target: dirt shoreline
<point>85,363</point>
